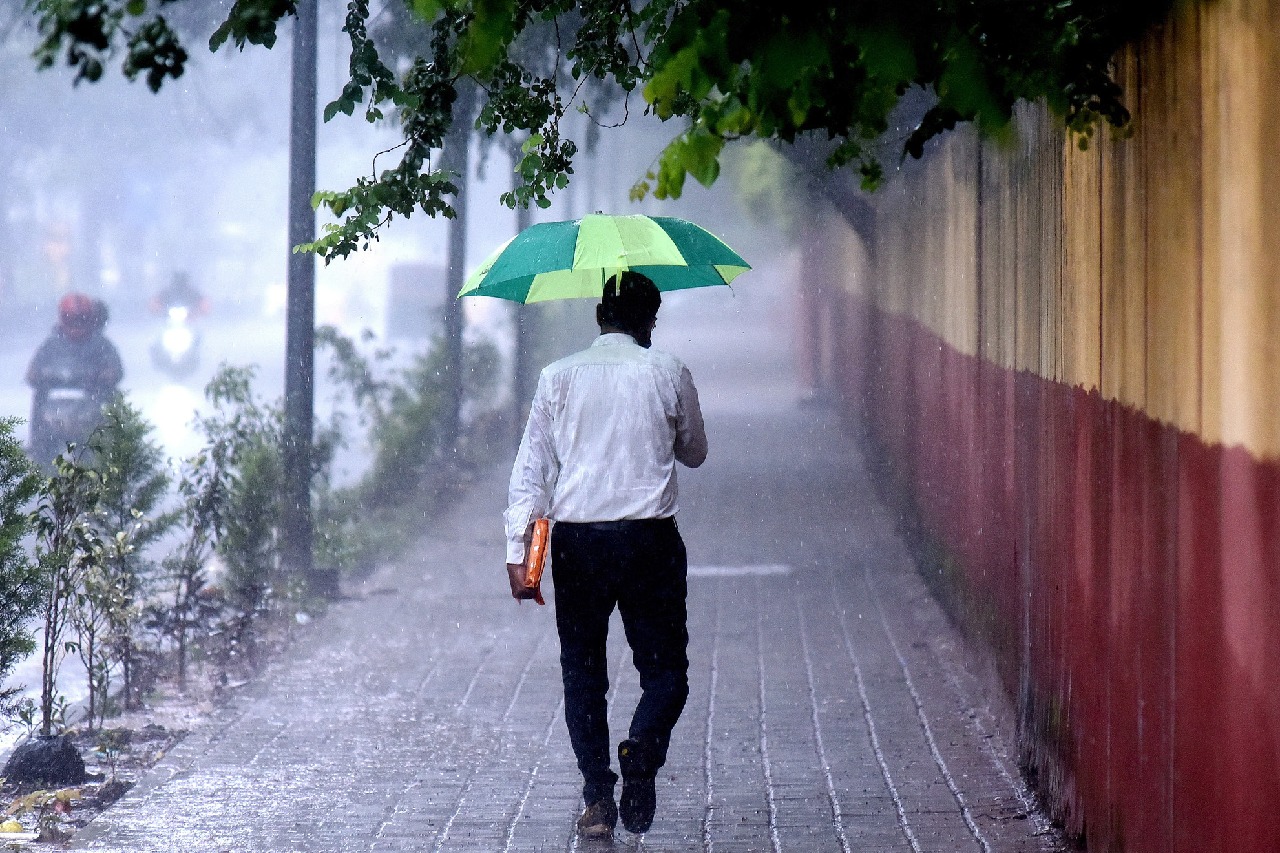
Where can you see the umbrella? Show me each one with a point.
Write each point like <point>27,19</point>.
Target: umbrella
<point>564,260</point>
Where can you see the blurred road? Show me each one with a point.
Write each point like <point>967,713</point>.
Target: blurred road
<point>832,706</point>
<point>167,402</point>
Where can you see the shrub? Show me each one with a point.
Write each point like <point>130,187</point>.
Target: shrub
<point>411,467</point>
<point>203,488</point>
<point>129,521</point>
<point>67,547</point>
<point>20,578</point>
<point>230,506</point>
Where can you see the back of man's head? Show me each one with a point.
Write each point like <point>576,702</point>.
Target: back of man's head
<point>630,303</point>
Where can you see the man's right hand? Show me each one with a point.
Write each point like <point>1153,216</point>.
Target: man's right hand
<point>516,573</point>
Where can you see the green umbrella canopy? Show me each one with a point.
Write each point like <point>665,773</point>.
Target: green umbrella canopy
<point>573,259</point>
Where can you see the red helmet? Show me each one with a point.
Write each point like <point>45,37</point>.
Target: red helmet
<point>77,315</point>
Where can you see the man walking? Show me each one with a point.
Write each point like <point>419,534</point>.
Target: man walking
<point>605,429</point>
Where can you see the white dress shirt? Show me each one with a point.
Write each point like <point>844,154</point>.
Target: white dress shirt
<point>605,429</point>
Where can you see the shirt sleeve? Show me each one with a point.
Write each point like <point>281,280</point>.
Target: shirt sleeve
<point>691,433</point>
<point>533,477</point>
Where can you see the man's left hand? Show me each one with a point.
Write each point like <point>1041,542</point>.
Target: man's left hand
<point>516,574</point>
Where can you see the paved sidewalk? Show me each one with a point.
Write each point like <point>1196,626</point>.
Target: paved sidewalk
<point>832,707</point>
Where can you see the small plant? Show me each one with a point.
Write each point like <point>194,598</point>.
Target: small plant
<point>248,433</point>
<point>67,546</point>
<point>405,414</point>
<point>110,746</point>
<point>128,518</point>
<point>27,714</point>
<point>203,488</point>
<point>230,493</point>
<point>99,605</point>
<point>48,807</point>
<point>408,432</point>
<point>59,712</point>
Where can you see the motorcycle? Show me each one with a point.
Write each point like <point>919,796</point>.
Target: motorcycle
<point>64,413</point>
<point>177,350</point>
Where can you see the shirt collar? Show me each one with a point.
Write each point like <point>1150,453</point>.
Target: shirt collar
<point>613,339</point>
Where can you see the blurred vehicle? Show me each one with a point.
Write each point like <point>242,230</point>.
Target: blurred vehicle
<point>72,374</point>
<point>177,350</point>
<point>180,293</point>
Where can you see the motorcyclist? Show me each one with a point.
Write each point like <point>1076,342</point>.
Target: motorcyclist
<point>177,349</point>
<point>180,293</point>
<point>75,363</point>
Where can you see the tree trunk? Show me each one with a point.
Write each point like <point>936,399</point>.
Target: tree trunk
<point>90,653</point>
<point>47,661</point>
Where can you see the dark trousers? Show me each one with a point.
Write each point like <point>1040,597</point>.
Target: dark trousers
<point>641,568</point>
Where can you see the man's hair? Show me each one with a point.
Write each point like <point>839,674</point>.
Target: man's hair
<point>630,302</point>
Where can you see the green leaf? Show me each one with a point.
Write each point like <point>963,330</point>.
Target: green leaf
<point>699,155</point>
<point>486,40</point>
<point>786,58</point>
<point>964,87</point>
<point>886,54</point>
<point>745,69</point>
<point>427,10</point>
<point>669,81</point>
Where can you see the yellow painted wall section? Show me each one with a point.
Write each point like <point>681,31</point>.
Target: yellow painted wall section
<point>959,251</point>
<point>1124,362</point>
<point>1145,267</point>
<point>1241,102</point>
<point>1170,102</point>
<point>999,257</point>
<point>1080,325</point>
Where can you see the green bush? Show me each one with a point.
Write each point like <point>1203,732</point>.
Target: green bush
<point>129,520</point>
<point>411,467</point>
<point>245,433</point>
<point>182,607</point>
<point>20,578</point>
<point>67,548</point>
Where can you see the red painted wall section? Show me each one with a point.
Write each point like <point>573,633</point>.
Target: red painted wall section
<point>1126,575</point>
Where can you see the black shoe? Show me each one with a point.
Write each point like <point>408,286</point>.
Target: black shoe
<point>598,819</point>
<point>639,799</point>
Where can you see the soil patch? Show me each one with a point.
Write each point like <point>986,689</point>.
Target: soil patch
<point>116,756</point>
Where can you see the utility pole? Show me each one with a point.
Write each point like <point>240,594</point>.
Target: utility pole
<point>456,159</point>
<point>296,527</point>
<point>521,393</point>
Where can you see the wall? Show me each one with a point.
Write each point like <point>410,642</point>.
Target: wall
<point>1070,363</point>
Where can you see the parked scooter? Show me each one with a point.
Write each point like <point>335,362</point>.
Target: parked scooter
<point>177,350</point>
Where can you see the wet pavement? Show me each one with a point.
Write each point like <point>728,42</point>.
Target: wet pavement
<point>832,706</point>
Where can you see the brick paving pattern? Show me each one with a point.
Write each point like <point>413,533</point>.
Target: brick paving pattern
<point>832,707</point>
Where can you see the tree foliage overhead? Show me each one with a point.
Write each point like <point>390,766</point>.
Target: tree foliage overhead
<point>721,69</point>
